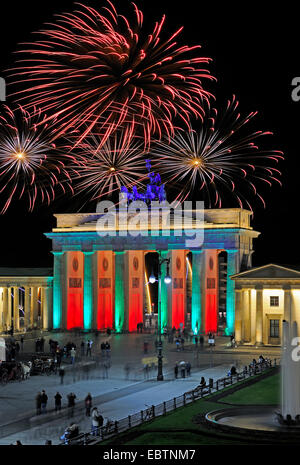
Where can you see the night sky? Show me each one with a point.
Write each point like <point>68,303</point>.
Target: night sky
<point>255,55</point>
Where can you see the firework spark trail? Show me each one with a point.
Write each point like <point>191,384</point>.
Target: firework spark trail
<point>92,65</point>
<point>100,169</point>
<point>29,161</point>
<point>219,158</point>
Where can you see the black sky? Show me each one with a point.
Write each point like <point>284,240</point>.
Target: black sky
<point>255,49</point>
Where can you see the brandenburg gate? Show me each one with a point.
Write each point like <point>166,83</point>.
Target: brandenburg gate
<point>99,280</point>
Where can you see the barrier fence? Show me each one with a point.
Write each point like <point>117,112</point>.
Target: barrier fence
<point>112,428</point>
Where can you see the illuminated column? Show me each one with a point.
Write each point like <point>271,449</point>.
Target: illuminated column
<point>57,290</point>
<point>177,316</point>
<point>6,316</point>
<point>9,308</point>
<point>197,264</point>
<point>238,315</point>
<point>74,284</point>
<point>104,287</point>
<point>119,290</point>
<point>210,291</point>
<point>164,291</point>
<point>135,271</point>
<point>34,307</point>
<point>16,309</point>
<point>45,308</point>
<point>246,318</point>
<point>259,314</point>
<point>287,303</point>
<point>1,310</point>
<point>233,267</point>
<point>27,307</point>
<point>88,291</point>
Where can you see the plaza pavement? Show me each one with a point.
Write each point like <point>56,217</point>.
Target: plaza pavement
<point>115,397</point>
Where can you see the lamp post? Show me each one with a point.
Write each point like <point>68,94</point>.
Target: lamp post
<point>167,280</point>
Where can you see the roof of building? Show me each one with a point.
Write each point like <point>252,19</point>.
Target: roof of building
<point>269,271</point>
<point>26,272</point>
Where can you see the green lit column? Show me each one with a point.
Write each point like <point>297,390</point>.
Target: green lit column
<point>164,293</point>
<point>88,291</point>
<point>119,290</point>
<point>233,267</point>
<point>197,263</point>
<point>57,290</point>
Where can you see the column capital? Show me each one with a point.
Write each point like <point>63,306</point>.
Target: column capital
<point>259,287</point>
<point>57,252</point>
<point>286,287</point>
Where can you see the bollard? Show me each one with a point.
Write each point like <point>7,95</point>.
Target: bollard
<point>165,409</point>
<point>184,399</point>
<point>129,421</point>
<point>174,401</point>
<point>142,416</point>
<point>116,426</point>
<point>217,385</point>
<point>153,411</point>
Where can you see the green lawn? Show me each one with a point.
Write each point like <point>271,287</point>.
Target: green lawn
<point>265,392</point>
<point>179,427</point>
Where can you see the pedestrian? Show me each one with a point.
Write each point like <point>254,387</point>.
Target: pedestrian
<point>182,369</point>
<point>188,369</point>
<point>106,366</point>
<point>127,370</point>
<point>17,347</point>
<point>38,403</point>
<point>177,344</point>
<point>57,399</point>
<point>82,346</point>
<point>61,374</point>
<point>88,404</point>
<point>73,354</point>
<point>145,347</point>
<point>71,403</point>
<point>146,371</point>
<point>103,348</point>
<point>22,343</point>
<point>44,400</point>
<point>182,343</point>
<point>97,422</point>
<point>176,371</point>
<point>107,349</point>
<point>89,348</point>
<point>201,341</point>
<point>196,341</point>
<point>202,382</point>
<point>42,343</point>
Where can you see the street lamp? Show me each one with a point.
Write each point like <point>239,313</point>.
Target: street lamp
<point>167,280</point>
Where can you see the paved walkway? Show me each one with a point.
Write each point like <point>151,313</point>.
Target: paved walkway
<point>116,397</point>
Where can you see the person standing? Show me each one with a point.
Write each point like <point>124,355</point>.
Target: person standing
<point>176,371</point>
<point>57,399</point>
<point>102,348</point>
<point>44,400</point>
<point>82,346</point>
<point>188,369</point>
<point>61,374</point>
<point>38,403</point>
<point>88,404</point>
<point>71,403</point>
<point>97,422</point>
<point>89,348</point>
<point>73,355</point>
<point>107,349</point>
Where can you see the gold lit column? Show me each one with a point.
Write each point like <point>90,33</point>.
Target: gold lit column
<point>238,315</point>
<point>1,310</point>
<point>33,307</point>
<point>45,307</point>
<point>259,314</point>
<point>287,303</point>
<point>16,309</point>
<point>27,307</point>
<point>6,317</point>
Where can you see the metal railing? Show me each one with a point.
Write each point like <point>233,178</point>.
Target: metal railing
<point>113,428</point>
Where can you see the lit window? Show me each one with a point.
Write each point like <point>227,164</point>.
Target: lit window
<point>274,301</point>
<point>274,328</point>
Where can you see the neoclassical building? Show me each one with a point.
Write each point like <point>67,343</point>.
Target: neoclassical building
<point>99,280</point>
<point>265,296</point>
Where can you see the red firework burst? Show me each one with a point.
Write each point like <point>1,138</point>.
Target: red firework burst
<point>93,67</point>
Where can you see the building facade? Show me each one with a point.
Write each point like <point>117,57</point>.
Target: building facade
<point>264,297</point>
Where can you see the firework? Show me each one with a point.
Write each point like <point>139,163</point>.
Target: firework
<point>100,169</point>
<point>29,164</point>
<point>92,66</point>
<point>222,157</point>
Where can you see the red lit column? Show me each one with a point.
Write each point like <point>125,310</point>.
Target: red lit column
<point>177,301</point>
<point>210,291</point>
<point>74,284</point>
<point>105,289</point>
<point>136,288</point>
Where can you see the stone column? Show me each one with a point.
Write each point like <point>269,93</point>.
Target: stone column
<point>6,316</point>
<point>233,267</point>
<point>197,265</point>
<point>246,319</point>
<point>9,308</point>
<point>238,315</point>
<point>88,291</point>
<point>164,290</point>
<point>16,309</point>
<point>45,308</point>
<point>27,307</point>
<point>287,306</point>
<point>1,312</point>
<point>57,290</point>
<point>259,315</point>
<point>120,291</point>
<point>34,307</point>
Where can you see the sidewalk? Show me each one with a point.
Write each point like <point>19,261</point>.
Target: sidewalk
<point>115,405</point>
